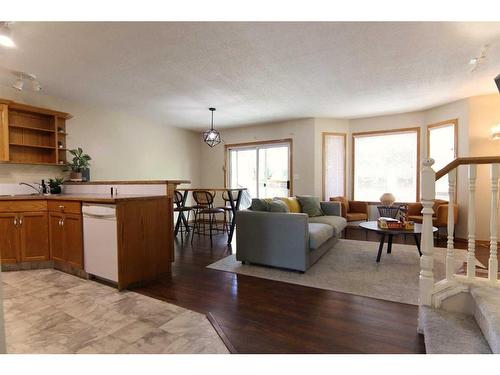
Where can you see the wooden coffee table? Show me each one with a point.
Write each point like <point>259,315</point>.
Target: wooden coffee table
<point>390,233</point>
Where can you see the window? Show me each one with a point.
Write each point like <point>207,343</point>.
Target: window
<point>386,162</point>
<point>442,140</point>
<point>334,150</point>
<point>264,168</point>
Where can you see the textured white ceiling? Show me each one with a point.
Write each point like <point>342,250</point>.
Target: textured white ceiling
<point>256,72</point>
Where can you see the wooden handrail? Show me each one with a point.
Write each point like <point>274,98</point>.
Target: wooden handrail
<point>466,161</point>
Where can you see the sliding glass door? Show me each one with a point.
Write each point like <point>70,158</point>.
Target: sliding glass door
<point>264,169</point>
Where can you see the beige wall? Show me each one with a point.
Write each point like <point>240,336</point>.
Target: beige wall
<point>484,113</point>
<point>122,146</point>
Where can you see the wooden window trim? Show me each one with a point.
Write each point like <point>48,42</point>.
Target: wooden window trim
<point>259,143</point>
<point>416,130</point>
<point>323,161</point>
<point>443,124</point>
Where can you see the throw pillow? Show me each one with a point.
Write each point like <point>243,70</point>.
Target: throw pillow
<point>310,205</point>
<point>259,204</point>
<point>292,203</point>
<point>278,206</point>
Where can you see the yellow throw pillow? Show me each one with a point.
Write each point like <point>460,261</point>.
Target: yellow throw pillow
<point>292,203</point>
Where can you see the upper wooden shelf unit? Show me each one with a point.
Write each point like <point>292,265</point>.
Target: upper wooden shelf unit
<point>32,135</point>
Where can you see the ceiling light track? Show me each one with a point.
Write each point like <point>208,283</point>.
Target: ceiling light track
<point>22,77</point>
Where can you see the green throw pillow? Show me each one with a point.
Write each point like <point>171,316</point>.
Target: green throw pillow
<point>310,205</point>
<point>260,204</point>
<point>278,206</point>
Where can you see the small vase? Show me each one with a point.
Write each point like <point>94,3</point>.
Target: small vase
<point>55,189</point>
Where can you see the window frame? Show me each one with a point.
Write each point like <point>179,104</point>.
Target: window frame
<point>416,129</point>
<point>323,161</point>
<point>271,142</point>
<point>442,124</point>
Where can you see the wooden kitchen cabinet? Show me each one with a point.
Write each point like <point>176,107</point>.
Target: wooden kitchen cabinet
<point>9,238</point>
<point>66,238</point>
<point>23,237</point>
<point>33,228</point>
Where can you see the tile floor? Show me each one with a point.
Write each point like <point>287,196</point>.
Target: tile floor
<point>48,311</point>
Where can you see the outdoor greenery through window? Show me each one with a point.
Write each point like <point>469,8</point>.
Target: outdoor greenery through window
<point>386,162</point>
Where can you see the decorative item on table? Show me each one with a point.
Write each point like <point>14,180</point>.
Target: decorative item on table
<point>409,225</point>
<point>387,199</point>
<point>79,165</point>
<point>403,213</point>
<point>389,223</point>
<point>55,185</point>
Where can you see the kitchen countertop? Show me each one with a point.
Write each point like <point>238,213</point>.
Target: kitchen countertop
<point>129,182</point>
<point>94,198</point>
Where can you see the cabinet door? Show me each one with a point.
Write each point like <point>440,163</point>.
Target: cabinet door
<point>34,236</point>
<point>9,239</point>
<point>73,240</point>
<point>56,236</point>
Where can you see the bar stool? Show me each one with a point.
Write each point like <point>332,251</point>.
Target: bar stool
<point>204,207</point>
<point>181,209</point>
<point>228,211</point>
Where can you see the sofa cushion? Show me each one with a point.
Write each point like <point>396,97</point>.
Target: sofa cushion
<point>278,206</point>
<point>318,234</point>
<point>260,204</point>
<point>310,205</point>
<point>292,203</point>
<point>338,223</point>
<point>356,216</point>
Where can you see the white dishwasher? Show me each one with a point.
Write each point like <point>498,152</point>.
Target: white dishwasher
<point>100,241</point>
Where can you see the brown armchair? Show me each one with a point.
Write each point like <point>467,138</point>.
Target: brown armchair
<point>352,210</point>
<point>440,216</point>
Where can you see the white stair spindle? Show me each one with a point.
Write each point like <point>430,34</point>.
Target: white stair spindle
<point>493,261</point>
<point>450,253</point>
<point>426,278</point>
<point>471,223</point>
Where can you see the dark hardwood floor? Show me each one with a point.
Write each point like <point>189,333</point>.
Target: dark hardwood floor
<point>265,316</point>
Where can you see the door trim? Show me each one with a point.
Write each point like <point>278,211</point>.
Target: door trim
<point>259,143</point>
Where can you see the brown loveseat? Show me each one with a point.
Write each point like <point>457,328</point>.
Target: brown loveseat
<point>440,216</point>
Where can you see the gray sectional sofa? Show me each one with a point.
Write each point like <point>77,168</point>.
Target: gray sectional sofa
<point>287,240</point>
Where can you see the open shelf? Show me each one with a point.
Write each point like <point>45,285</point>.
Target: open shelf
<point>32,135</point>
<point>32,146</point>
<point>32,128</point>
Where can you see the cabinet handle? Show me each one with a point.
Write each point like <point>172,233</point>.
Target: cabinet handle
<point>60,222</point>
<point>20,221</point>
<point>15,221</point>
<point>61,207</point>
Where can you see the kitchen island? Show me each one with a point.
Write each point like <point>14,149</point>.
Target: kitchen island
<point>47,231</point>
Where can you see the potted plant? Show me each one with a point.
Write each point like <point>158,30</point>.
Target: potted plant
<point>55,185</point>
<point>80,164</point>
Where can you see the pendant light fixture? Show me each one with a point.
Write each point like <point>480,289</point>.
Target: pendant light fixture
<point>21,77</point>
<point>211,137</point>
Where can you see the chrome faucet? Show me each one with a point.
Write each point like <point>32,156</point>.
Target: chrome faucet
<point>38,189</point>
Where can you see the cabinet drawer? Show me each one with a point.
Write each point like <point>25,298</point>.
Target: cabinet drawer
<point>65,206</point>
<point>23,206</point>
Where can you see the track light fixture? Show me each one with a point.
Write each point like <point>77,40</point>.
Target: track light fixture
<point>6,35</point>
<point>19,82</point>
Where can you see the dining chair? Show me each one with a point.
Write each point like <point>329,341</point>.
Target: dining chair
<point>228,211</point>
<point>204,208</point>
<point>181,209</point>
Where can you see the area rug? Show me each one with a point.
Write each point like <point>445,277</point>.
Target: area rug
<point>350,267</point>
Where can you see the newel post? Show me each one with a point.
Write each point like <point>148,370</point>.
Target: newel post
<point>450,252</point>
<point>493,261</point>
<point>426,279</point>
<point>471,223</point>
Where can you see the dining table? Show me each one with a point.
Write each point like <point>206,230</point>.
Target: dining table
<point>234,204</point>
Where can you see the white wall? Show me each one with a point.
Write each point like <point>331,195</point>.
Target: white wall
<point>122,146</point>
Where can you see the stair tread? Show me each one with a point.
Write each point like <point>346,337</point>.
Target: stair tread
<point>487,314</point>
<point>451,333</point>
